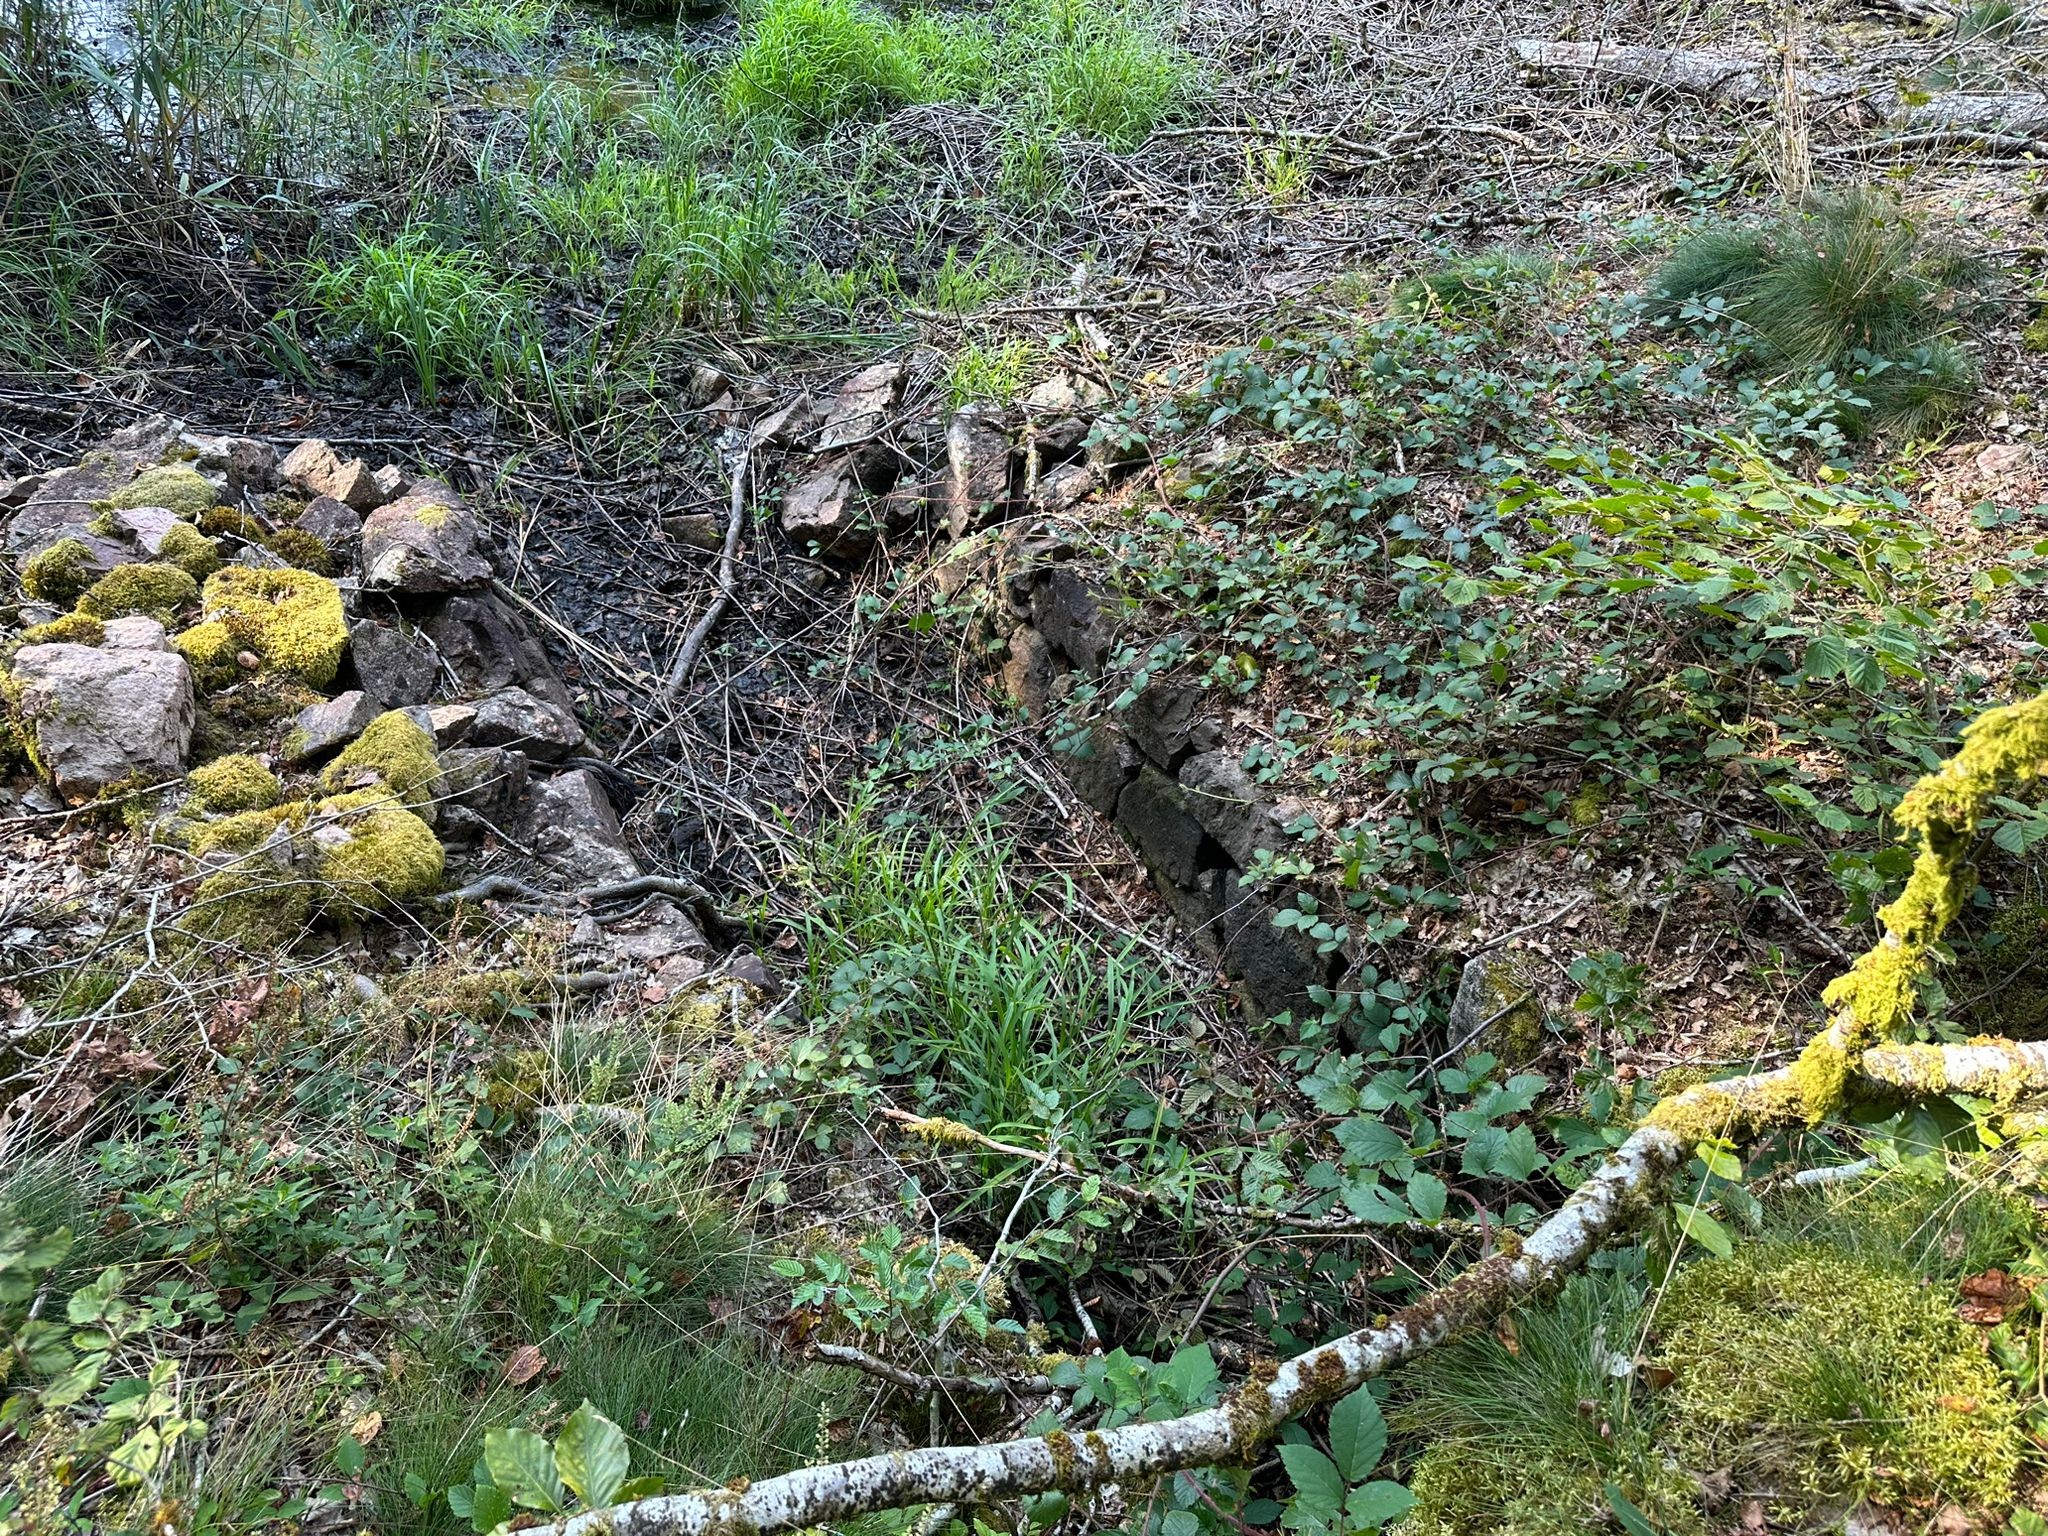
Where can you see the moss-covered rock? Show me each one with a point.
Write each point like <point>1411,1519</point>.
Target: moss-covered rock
<point>376,856</point>
<point>61,573</point>
<point>230,522</point>
<point>70,629</point>
<point>307,551</point>
<point>209,650</point>
<point>235,783</point>
<point>153,588</point>
<point>1836,1377</point>
<point>291,619</point>
<point>190,551</point>
<point>249,829</point>
<point>184,491</point>
<point>392,751</point>
<point>258,910</point>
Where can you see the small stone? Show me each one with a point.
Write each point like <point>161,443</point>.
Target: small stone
<point>334,523</point>
<point>1065,609</point>
<point>1066,393</point>
<point>978,464</point>
<point>787,426</point>
<point>392,482</point>
<point>450,724</point>
<point>1166,724</point>
<point>487,780</point>
<point>1222,797</point>
<point>488,646</point>
<point>1495,1010</point>
<point>248,661</point>
<point>744,965</point>
<point>862,408</point>
<point>317,470</point>
<point>103,717</point>
<point>514,718</point>
<point>424,543</point>
<point>1029,671</point>
<point>15,494</point>
<point>660,937</point>
<point>1062,487</point>
<point>826,509</point>
<point>134,633</point>
<point>323,729</point>
<point>703,385</point>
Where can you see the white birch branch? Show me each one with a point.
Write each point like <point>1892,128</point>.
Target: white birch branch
<point>815,1496</point>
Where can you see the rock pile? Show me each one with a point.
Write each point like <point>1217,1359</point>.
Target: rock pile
<point>325,647</point>
<point>878,458</point>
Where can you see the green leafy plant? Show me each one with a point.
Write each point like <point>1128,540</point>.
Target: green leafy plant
<point>1335,1493</point>
<point>585,1467</point>
<point>1481,284</point>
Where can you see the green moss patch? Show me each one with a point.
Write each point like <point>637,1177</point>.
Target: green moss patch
<point>388,857</point>
<point>1835,1376</point>
<point>60,573</point>
<point>396,752</point>
<point>184,491</point>
<point>190,551</point>
<point>290,619</point>
<point>307,551</point>
<point>153,588</point>
<point>237,783</point>
<point>260,911</point>
<point>71,629</point>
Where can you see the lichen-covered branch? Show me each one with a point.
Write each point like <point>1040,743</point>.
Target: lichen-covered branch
<point>1245,1421</point>
<point>2003,1070</point>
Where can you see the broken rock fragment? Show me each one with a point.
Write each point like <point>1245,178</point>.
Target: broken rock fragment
<point>422,543</point>
<point>104,717</point>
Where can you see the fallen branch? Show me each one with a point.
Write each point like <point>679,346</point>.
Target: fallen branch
<point>813,1496</point>
<point>728,573</point>
<point>918,1381</point>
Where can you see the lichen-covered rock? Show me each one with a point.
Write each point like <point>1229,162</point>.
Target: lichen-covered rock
<point>102,717</point>
<point>392,752</point>
<point>1495,1010</point>
<point>292,620</point>
<point>152,588</point>
<point>183,491</point>
<point>569,822</point>
<point>323,729</point>
<point>514,718</point>
<point>297,547</point>
<point>395,666</point>
<point>234,783</point>
<point>486,780</point>
<point>425,542</point>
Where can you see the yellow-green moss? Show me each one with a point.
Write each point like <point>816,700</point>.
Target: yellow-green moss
<point>1835,1376</point>
<point>247,829</point>
<point>209,650</point>
<point>230,521</point>
<point>60,573</point>
<point>390,856</point>
<point>71,629</point>
<point>151,588</point>
<point>2035,337</point>
<point>258,910</point>
<point>397,752</point>
<point>291,619</point>
<point>307,551</point>
<point>184,491</point>
<point>190,551</point>
<point>236,783</point>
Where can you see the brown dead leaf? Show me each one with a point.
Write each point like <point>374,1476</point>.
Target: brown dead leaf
<point>1990,1298</point>
<point>367,1426</point>
<point>523,1364</point>
<point>1754,1517</point>
<point>1955,1403</point>
<point>1504,1330</point>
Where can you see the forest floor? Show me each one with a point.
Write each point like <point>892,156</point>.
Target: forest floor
<point>1556,625</point>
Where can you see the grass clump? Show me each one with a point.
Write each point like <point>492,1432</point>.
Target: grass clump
<point>931,954</point>
<point>61,573</point>
<point>821,60</point>
<point>1848,285</point>
<point>292,620</point>
<point>183,491</point>
<point>1524,1440</point>
<point>235,783</point>
<point>396,753</point>
<point>153,588</point>
<point>1482,284</point>
<point>1834,1375</point>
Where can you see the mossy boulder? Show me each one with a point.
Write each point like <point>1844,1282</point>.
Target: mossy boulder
<point>184,491</point>
<point>153,588</point>
<point>235,783</point>
<point>230,522</point>
<point>393,752</point>
<point>307,551</point>
<point>61,573</point>
<point>1496,1009</point>
<point>261,911</point>
<point>210,651</point>
<point>246,830</point>
<point>290,619</point>
<point>1836,1377</point>
<point>375,855</point>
